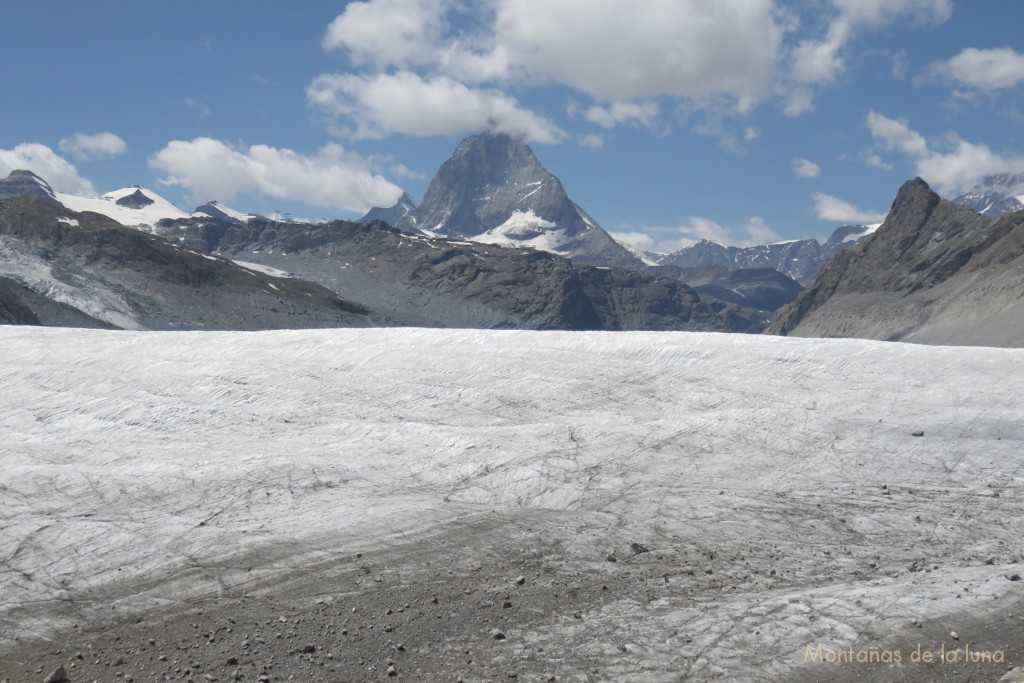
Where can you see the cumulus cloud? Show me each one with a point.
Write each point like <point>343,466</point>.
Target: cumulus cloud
<point>380,105</point>
<point>820,61</point>
<point>388,32</point>
<point>836,210</point>
<point>988,70</point>
<point>896,134</point>
<point>953,165</point>
<point>622,55</point>
<point>591,141</point>
<point>615,50</point>
<point>667,239</point>
<point>100,145</point>
<point>804,168</point>
<point>48,165</point>
<point>332,177</point>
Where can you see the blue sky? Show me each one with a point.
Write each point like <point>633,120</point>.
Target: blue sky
<point>742,121</point>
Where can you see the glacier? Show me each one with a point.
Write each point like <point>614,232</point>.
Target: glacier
<point>776,493</point>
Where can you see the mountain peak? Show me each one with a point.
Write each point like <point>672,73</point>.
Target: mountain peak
<point>493,189</point>
<point>914,203</point>
<point>21,182</point>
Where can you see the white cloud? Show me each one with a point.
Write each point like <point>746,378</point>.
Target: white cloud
<point>896,134</point>
<point>97,146</point>
<point>836,210</point>
<point>591,141</point>
<point>955,167</point>
<point>385,104</point>
<point>717,53</point>
<point>878,14</point>
<point>798,100</point>
<point>48,165</point>
<point>804,168</point>
<point>647,48</point>
<point>667,239</point>
<point>638,240</point>
<point>820,62</point>
<point>388,32</point>
<point>988,70</point>
<point>332,177</point>
<point>639,113</point>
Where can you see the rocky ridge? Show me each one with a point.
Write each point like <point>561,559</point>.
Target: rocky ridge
<point>935,272</point>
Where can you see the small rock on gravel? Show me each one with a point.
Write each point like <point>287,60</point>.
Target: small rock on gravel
<point>1013,676</point>
<point>917,432</point>
<point>59,675</point>
<point>496,634</point>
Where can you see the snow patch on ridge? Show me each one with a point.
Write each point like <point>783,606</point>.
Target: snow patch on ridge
<point>868,230</point>
<point>525,229</point>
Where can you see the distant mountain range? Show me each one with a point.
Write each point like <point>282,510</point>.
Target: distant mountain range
<point>800,260</point>
<point>935,272</point>
<point>490,246</point>
<point>59,266</point>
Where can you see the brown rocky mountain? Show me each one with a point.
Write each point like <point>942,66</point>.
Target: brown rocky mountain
<point>936,272</point>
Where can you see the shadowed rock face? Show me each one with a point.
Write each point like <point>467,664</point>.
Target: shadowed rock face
<point>935,272</point>
<point>26,184</point>
<point>486,179</point>
<point>12,310</point>
<point>136,200</point>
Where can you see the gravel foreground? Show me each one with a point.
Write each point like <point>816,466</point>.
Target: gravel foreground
<point>465,611</point>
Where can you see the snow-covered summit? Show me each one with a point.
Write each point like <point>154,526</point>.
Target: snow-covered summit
<point>131,206</point>
<point>996,195</point>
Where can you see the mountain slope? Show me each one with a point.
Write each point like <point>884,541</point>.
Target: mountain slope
<point>935,272</point>
<point>125,278</point>
<point>494,190</point>
<point>397,215</point>
<point>455,284</point>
